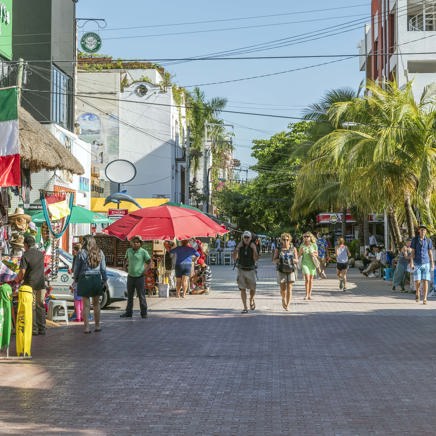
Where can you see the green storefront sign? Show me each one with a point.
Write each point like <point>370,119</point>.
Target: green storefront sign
<point>6,29</point>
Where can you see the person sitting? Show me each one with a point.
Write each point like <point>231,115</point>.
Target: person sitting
<point>375,263</point>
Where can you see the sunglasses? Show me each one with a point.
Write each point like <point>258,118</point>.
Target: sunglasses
<point>285,239</point>
<point>306,236</point>
<point>246,237</point>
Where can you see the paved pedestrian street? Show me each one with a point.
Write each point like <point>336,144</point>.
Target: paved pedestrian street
<point>360,362</point>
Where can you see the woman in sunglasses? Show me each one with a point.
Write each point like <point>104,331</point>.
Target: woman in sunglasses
<point>308,251</point>
<point>285,258</point>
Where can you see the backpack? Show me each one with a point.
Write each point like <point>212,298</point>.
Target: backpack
<point>286,261</point>
<point>245,257</point>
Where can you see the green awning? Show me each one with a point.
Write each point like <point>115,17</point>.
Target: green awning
<point>80,215</point>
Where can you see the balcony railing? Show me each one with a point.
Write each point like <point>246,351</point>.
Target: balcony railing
<point>425,21</point>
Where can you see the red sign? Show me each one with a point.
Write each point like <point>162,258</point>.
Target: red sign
<point>117,213</point>
<point>333,218</point>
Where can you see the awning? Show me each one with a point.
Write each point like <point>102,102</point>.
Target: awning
<point>40,150</point>
<point>97,204</point>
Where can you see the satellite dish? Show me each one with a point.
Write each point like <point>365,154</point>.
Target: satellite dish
<point>141,90</point>
<point>120,171</point>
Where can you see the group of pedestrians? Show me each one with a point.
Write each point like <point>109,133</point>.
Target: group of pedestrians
<point>309,257</point>
<point>416,256</point>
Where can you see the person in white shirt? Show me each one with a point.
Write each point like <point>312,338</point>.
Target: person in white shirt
<point>231,244</point>
<point>372,240</point>
<point>375,263</point>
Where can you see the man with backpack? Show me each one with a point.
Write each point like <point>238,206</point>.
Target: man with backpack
<point>422,262</point>
<point>246,256</point>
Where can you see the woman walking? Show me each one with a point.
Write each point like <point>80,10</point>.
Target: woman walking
<point>399,278</point>
<point>342,255</point>
<point>308,251</point>
<point>91,278</point>
<point>184,254</point>
<point>285,258</point>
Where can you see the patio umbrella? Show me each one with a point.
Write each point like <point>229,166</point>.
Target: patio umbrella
<point>80,215</point>
<point>164,222</point>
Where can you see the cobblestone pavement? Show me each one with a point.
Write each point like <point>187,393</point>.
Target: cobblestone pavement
<point>346,363</point>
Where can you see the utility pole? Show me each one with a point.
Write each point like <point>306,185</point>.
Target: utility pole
<point>187,166</point>
<point>20,75</point>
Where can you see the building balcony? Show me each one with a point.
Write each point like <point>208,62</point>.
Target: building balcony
<point>422,17</point>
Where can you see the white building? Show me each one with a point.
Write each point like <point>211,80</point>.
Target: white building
<point>399,43</point>
<point>129,114</point>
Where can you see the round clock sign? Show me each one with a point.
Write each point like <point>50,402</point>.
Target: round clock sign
<point>90,42</point>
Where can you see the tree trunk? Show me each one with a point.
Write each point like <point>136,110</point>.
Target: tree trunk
<point>410,216</point>
<point>395,228</point>
<point>427,216</point>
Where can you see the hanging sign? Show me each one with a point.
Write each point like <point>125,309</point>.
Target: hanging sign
<point>90,42</point>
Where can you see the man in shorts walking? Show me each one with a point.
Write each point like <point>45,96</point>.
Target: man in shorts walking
<point>422,262</point>
<point>246,256</point>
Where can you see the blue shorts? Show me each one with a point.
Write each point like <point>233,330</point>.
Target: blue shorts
<point>422,272</point>
<point>183,269</point>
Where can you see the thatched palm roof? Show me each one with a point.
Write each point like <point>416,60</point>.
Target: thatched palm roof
<point>40,150</point>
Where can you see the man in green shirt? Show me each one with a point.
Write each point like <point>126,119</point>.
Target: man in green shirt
<point>136,262</point>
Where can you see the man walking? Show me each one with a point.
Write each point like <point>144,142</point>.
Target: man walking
<point>32,274</point>
<point>246,257</point>
<point>137,262</point>
<point>422,262</point>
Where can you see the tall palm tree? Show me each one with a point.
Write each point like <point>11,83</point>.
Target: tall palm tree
<point>201,111</point>
<point>388,141</point>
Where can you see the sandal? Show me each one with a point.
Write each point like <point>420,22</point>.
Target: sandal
<point>252,305</point>
<point>245,311</point>
<point>424,302</point>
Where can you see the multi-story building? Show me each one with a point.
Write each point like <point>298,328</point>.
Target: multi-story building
<point>5,40</point>
<point>43,35</point>
<point>129,113</point>
<point>399,43</point>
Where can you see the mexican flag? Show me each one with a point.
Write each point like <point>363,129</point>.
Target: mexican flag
<point>10,170</point>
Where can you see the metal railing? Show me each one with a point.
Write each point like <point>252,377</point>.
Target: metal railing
<point>425,21</point>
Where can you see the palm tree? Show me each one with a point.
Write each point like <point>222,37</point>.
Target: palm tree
<point>318,185</point>
<point>201,111</point>
<point>387,141</point>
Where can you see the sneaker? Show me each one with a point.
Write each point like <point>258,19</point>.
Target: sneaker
<point>371,275</point>
<point>143,315</point>
<point>125,315</point>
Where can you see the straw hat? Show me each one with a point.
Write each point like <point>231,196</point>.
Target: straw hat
<point>17,241</point>
<point>19,212</point>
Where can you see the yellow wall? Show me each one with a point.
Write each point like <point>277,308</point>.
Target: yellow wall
<point>97,204</point>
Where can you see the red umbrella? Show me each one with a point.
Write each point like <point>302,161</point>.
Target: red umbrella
<point>164,222</point>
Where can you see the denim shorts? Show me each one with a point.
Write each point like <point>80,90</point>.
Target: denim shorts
<point>183,269</point>
<point>422,272</point>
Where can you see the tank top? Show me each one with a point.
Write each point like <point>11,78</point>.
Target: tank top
<point>245,257</point>
<point>342,256</point>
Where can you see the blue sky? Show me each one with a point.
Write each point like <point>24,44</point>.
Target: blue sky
<point>174,29</point>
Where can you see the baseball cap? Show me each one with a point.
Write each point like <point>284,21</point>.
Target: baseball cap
<point>422,226</point>
<point>246,233</point>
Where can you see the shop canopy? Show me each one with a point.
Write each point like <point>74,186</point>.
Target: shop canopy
<point>40,150</point>
<point>97,204</point>
<point>333,218</point>
<point>80,215</point>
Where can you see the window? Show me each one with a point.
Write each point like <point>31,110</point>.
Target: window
<point>61,99</point>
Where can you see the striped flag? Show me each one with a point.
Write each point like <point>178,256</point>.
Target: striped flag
<point>10,170</point>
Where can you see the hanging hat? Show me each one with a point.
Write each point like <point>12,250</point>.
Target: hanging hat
<point>19,211</point>
<point>17,241</point>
